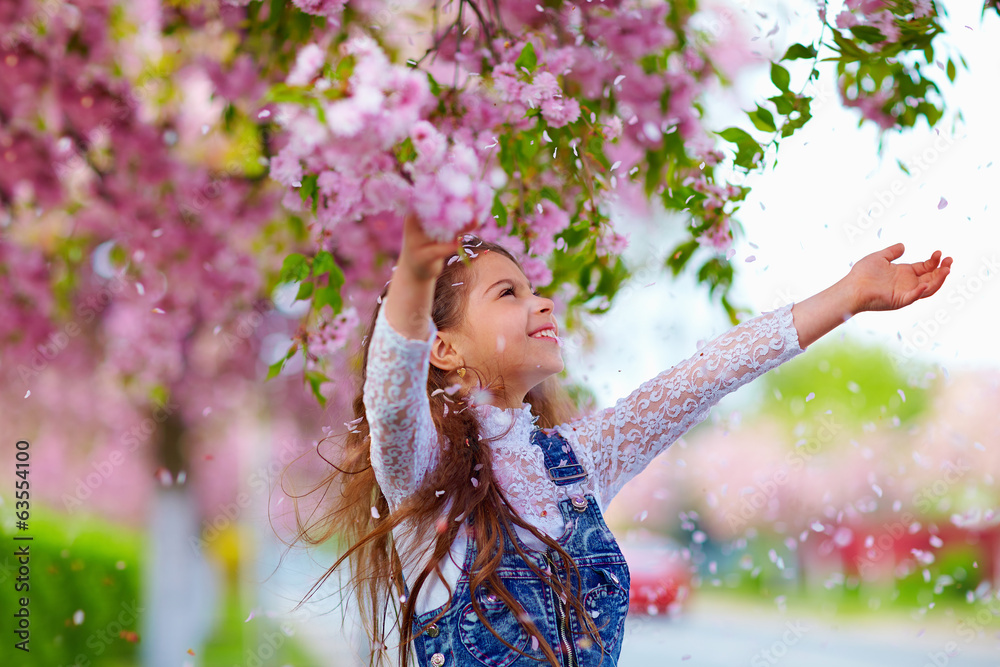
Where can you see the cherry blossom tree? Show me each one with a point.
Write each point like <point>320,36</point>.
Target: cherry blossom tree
<point>197,197</point>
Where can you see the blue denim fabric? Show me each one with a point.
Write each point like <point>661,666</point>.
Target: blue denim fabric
<point>459,638</point>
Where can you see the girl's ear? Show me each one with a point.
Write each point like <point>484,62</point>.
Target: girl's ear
<point>444,355</point>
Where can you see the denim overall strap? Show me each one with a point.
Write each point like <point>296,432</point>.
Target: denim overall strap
<point>559,457</point>
<point>454,635</point>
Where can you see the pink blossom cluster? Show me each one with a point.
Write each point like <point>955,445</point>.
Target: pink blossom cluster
<point>332,333</point>
<point>879,14</point>
<point>354,152</point>
<point>331,9</point>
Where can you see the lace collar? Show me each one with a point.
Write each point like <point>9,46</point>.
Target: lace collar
<point>496,420</point>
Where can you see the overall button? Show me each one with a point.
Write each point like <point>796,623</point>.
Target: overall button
<point>432,630</point>
<point>579,503</point>
<point>437,659</point>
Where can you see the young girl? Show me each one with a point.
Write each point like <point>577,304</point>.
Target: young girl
<point>472,493</point>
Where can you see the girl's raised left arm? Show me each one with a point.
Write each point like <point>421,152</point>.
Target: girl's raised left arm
<point>623,439</point>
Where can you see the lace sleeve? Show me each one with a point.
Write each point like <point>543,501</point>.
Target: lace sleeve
<point>623,439</point>
<point>403,436</point>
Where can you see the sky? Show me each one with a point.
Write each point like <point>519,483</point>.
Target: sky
<point>831,200</point>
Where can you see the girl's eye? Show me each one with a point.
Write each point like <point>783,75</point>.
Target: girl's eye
<point>511,291</point>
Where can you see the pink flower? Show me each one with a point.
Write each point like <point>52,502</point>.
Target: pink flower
<point>506,82</point>
<point>328,8</point>
<point>307,65</point>
<point>449,197</point>
<point>544,225</point>
<point>286,168</point>
<point>537,271</point>
<point>886,23</point>
<point>612,129</point>
<point>544,87</point>
<point>560,111</point>
<point>846,19</point>
<point>611,243</point>
<point>717,237</point>
<point>922,8</point>
<point>429,144</point>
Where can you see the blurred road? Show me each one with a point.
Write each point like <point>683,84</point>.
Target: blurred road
<point>723,634</point>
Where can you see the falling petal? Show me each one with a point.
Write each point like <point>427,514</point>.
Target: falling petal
<point>942,203</point>
<point>28,394</point>
<point>252,614</point>
<point>164,477</point>
<point>78,617</point>
<point>811,396</point>
<point>751,258</point>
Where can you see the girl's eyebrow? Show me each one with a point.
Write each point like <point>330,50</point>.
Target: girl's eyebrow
<point>508,281</point>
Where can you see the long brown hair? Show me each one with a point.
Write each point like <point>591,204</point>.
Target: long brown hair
<point>361,515</point>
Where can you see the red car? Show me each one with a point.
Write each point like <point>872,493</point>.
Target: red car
<point>660,578</point>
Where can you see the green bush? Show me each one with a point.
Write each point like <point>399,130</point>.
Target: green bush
<point>83,599</point>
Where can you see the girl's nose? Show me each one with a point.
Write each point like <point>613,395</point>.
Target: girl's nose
<point>545,304</point>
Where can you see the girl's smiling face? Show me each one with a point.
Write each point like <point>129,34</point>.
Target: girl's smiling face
<point>496,338</point>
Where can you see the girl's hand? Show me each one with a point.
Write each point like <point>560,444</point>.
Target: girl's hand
<point>422,256</point>
<point>878,284</point>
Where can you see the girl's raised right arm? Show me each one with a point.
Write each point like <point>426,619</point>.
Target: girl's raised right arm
<point>404,441</point>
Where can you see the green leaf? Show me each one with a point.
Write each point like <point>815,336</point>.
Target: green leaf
<point>527,59</point>
<point>868,34</point>
<point>951,70</point>
<point>499,211</point>
<point>294,268</point>
<point>336,276</point>
<point>309,189</point>
<point>762,119</point>
<point>780,77</point>
<point>345,68</point>
<point>783,103</point>
<point>328,296</point>
<point>736,136</point>
<point>796,51</point>
<point>848,48</point>
<point>322,263</point>
<point>680,255</point>
<point>305,291</point>
<point>274,369</point>
<point>435,86</point>
<point>748,147</point>
<point>315,379</point>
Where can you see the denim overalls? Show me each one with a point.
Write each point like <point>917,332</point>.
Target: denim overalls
<point>460,639</point>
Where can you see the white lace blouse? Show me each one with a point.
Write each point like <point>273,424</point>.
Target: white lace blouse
<point>613,445</point>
